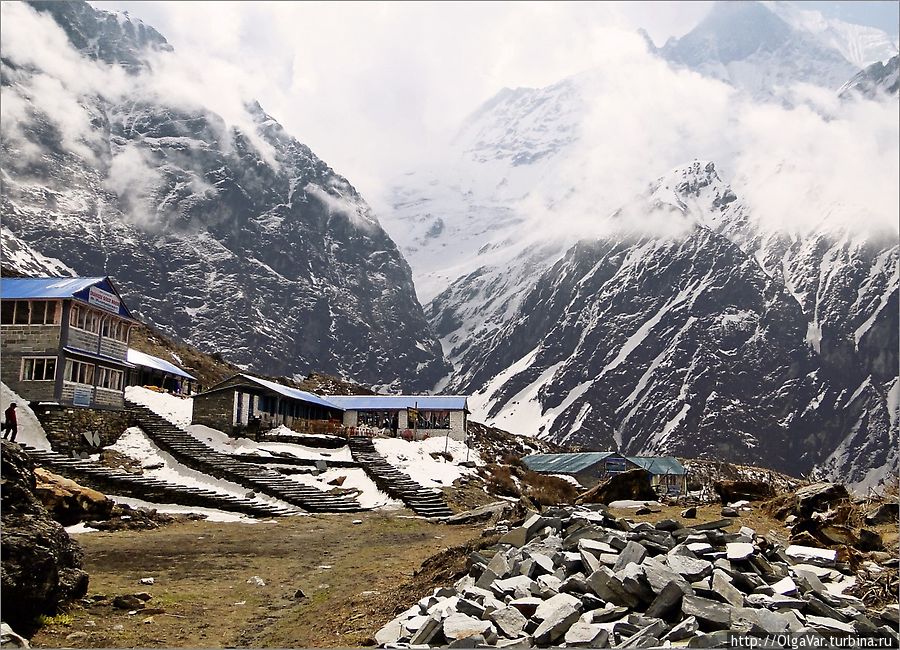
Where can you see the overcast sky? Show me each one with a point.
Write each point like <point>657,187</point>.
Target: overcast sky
<point>375,85</point>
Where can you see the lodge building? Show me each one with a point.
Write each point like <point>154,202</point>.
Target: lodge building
<point>665,473</point>
<point>65,340</point>
<point>244,405</point>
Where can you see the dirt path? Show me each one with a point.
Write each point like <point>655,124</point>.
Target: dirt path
<point>348,573</point>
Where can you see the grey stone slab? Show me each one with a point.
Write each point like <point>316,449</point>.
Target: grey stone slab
<point>470,608</point>
<point>427,632</point>
<point>667,602</point>
<point>510,585</point>
<point>632,553</point>
<point>712,615</point>
<point>737,551</point>
<point>829,624</point>
<point>499,565</point>
<point>596,546</point>
<point>684,630</point>
<point>691,568</point>
<point>586,635</point>
<point>527,605</point>
<point>557,619</point>
<point>659,575</point>
<point>589,561</point>
<point>721,584</point>
<point>392,631</point>
<point>575,584</point>
<point>547,607</point>
<point>608,613</point>
<point>509,621</point>
<point>605,584</point>
<point>459,626</point>
<point>635,582</point>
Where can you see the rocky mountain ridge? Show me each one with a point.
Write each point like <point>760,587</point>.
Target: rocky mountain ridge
<point>237,239</point>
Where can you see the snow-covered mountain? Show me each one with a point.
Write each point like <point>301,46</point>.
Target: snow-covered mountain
<point>236,239</point>
<point>704,330</point>
<point>878,79</point>
<point>713,340</point>
<point>763,48</point>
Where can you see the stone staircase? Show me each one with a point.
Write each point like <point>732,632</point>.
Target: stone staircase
<point>418,498</point>
<point>196,455</point>
<point>122,483</point>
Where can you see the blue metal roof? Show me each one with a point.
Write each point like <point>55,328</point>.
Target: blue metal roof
<point>61,288</point>
<point>148,361</point>
<point>38,288</point>
<point>659,465</point>
<point>292,393</point>
<point>565,463</point>
<point>399,402</point>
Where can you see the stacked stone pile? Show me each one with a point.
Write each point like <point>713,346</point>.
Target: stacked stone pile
<point>579,577</point>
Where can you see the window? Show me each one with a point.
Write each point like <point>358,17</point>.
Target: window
<point>109,378</point>
<point>114,329</point>
<point>79,372</point>
<point>84,319</point>
<point>430,420</point>
<point>39,369</point>
<point>29,312</point>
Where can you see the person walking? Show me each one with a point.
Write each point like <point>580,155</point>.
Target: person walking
<point>11,426</point>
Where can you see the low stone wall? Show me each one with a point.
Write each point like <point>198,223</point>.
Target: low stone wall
<point>80,430</point>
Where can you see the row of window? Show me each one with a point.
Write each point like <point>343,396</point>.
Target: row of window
<point>44,369</point>
<point>30,312</point>
<point>95,322</point>
<point>48,312</point>
<point>388,419</point>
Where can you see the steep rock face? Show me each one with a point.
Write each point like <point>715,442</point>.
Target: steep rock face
<point>234,240</point>
<point>714,341</point>
<point>752,47</point>
<point>877,79</point>
<point>41,565</point>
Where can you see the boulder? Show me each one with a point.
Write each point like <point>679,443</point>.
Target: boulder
<point>728,511</point>
<point>633,485</point>
<point>41,564</point>
<point>738,550</point>
<point>483,513</point>
<point>691,568</point>
<point>68,502</point>
<point>886,513</point>
<point>731,491</point>
<point>667,602</point>
<point>819,497</point>
<point>9,639</point>
<point>689,513</point>
<point>712,615</point>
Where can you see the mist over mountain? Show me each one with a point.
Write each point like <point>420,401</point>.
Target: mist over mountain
<point>220,228</point>
<point>586,302</point>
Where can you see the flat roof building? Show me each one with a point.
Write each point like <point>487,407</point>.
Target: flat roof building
<point>419,415</point>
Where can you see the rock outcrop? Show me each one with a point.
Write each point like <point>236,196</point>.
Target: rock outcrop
<point>41,565</point>
<point>67,501</point>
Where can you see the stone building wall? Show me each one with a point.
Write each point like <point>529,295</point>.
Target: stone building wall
<point>81,430</point>
<point>215,410</point>
<point>20,341</point>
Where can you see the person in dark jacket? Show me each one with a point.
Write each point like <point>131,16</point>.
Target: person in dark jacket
<point>11,426</point>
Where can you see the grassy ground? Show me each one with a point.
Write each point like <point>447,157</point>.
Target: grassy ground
<point>351,574</point>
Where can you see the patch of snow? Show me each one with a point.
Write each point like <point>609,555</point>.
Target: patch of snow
<point>414,459</point>
<point>176,410</point>
<point>172,508</point>
<point>30,431</point>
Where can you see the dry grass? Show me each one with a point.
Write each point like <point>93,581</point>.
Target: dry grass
<point>517,481</point>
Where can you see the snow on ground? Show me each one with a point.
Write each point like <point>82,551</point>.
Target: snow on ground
<point>222,442</point>
<point>78,529</point>
<point>370,496</point>
<point>282,430</point>
<point>135,444</point>
<point>569,479</point>
<point>628,503</point>
<point>177,410</point>
<point>414,459</point>
<point>172,508</point>
<point>30,430</point>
